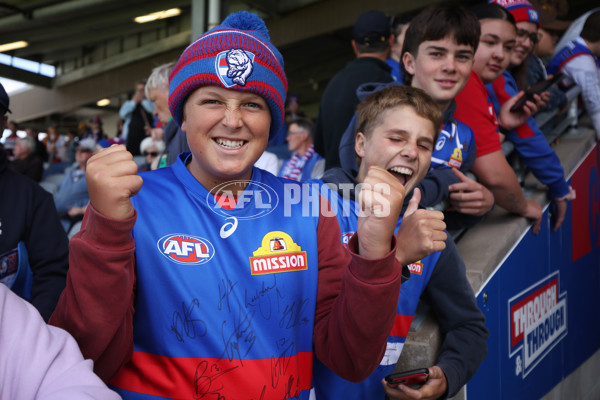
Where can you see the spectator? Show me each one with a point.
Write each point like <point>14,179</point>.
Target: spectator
<point>151,149</point>
<point>529,141</point>
<point>72,191</point>
<point>38,361</point>
<point>293,111</point>
<point>137,114</point>
<point>579,60</point>
<point>157,90</point>
<point>11,140</point>
<point>228,125</point>
<point>55,145</point>
<point>40,149</point>
<point>305,163</point>
<point>25,161</point>
<point>548,33</point>
<point>574,30</point>
<point>28,215</point>
<point>371,44</point>
<point>95,131</point>
<point>399,27</point>
<point>474,107</point>
<point>397,131</point>
<point>435,61</point>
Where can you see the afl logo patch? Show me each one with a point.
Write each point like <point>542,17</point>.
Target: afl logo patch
<point>186,249</point>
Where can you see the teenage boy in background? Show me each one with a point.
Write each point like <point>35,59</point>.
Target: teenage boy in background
<point>213,318</point>
<point>397,130</point>
<point>438,55</point>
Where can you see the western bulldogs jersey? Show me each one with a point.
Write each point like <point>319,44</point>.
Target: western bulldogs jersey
<point>327,385</point>
<point>453,145</point>
<point>573,49</point>
<point>222,295</point>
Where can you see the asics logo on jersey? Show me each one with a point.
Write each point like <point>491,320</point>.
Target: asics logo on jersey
<point>186,249</point>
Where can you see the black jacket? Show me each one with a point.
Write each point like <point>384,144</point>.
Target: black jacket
<point>339,101</point>
<point>28,214</point>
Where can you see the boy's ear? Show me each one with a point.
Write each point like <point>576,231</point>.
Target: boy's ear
<point>354,48</point>
<point>409,62</point>
<point>359,144</point>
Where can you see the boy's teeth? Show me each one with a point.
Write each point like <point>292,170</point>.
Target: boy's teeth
<point>401,170</point>
<point>230,144</point>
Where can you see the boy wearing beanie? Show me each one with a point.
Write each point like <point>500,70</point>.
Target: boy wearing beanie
<point>175,287</point>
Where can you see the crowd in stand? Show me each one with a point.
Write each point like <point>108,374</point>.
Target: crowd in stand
<point>423,109</point>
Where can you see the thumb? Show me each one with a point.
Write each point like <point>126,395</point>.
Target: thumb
<point>413,204</point>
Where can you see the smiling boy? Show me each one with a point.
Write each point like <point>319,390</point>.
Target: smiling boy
<point>437,57</point>
<point>396,130</point>
<point>176,297</point>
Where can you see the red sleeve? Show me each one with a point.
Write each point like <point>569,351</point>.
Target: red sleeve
<point>474,108</point>
<point>96,306</point>
<point>356,303</point>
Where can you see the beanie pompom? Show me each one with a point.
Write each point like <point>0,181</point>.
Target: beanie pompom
<point>246,21</point>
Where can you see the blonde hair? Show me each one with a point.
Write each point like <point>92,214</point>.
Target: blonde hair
<point>373,106</point>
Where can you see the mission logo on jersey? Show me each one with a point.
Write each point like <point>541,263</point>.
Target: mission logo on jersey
<point>277,253</point>
<point>416,268</point>
<point>186,249</point>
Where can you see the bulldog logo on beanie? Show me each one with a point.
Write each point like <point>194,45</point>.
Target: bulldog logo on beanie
<point>236,55</point>
<point>235,66</point>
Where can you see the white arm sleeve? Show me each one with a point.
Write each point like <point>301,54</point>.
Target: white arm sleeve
<point>585,73</point>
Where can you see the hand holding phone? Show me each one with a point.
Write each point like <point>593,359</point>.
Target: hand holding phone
<point>537,88</point>
<point>415,377</point>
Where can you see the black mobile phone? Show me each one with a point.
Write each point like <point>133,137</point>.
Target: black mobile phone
<point>415,377</point>
<point>537,88</point>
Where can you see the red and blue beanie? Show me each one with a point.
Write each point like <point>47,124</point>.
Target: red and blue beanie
<point>236,55</point>
<point>521,10</point>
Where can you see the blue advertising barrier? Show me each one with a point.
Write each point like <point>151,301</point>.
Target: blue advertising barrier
<point>542,304</point>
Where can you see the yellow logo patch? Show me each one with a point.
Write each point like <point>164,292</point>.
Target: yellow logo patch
<point>456,159</point>
<point>277,253</point>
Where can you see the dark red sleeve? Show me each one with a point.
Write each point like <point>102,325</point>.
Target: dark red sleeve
<point>356,303</point>
<point>96,306</point>
<point>474,109</point>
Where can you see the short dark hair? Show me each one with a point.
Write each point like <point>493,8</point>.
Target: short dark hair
<point>305,123</point>
<point>591,28</point>
<point>492,11</point>
<point>437,22</point>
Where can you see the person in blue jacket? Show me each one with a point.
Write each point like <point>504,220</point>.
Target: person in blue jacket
<point>397,129</point>
<point>528,139</point>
